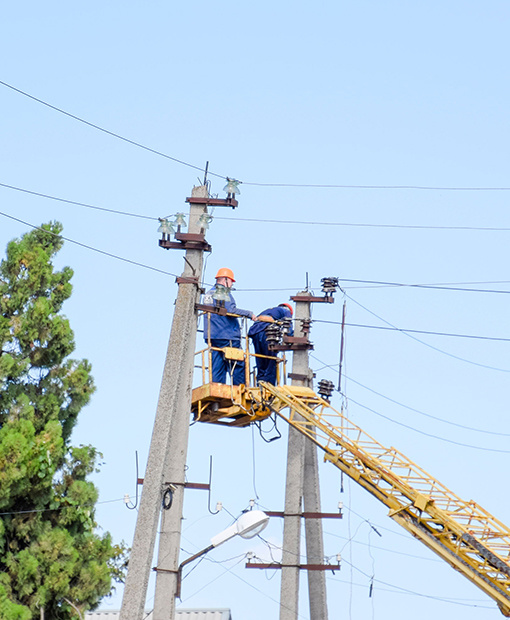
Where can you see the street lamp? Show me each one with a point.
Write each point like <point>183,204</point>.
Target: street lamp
<point>248,525</point>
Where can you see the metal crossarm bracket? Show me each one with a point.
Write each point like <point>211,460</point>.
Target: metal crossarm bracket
<point>214,202</point>
<point>186,241</point>
<point>316,300</point>
<point>277,565</point>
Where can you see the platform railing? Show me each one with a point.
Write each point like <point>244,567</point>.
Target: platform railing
<point>233,354</point>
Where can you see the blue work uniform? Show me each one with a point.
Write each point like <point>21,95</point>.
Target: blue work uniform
<point>224,331</point>
<point>266,368</point>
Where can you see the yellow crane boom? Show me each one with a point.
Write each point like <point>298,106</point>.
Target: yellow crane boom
<point>464,534</point>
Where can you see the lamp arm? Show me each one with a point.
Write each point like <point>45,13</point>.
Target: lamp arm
<point>183,564</point>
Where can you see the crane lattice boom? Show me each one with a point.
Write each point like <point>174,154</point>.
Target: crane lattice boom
<point>461,532</point>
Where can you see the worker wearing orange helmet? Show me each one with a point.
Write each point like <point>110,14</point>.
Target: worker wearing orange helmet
<point>266,367</point>
<point>225,331</point>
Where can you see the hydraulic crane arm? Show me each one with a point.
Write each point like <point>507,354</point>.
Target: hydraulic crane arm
<point>461,532</point>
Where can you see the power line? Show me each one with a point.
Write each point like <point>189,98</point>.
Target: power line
<point>145,266</point>
<point>336,186</point>
<point>36,510</point>
<point>428,415</point>
<point>412,428</point>
<point>453,601</point>
<point>415,331</point>
<point>305,223</point>
<point>111,133</point>
<point>255,184</point>
<point>416,430</point>
<point>358,542</point>
<point>396,402</point>
<point>89,247</point>
<point>441,287</point>
<point>365,225</point>
<point>79,204</point>
<point>426,344</point>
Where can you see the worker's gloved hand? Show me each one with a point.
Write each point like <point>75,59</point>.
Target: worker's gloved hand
<point>265,318</point>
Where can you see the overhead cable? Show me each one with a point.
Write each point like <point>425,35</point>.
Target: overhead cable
<point>79,204</point>
<point>413,409</point>
<point>416,430</point>
<point>426,344</point>
<point>364,225</point>
<point>414,331</point>
<point>440,287</point>
<point>107,131</point>
<point>304,222</point>
<point>454,601</point>
<point>428,415</point>
<point>89,247</point>
<point>258,184</point>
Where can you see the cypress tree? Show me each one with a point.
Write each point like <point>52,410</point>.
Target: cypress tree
<point>52,557</point>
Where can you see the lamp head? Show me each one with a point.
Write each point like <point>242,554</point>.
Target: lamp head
<point>248,525</point>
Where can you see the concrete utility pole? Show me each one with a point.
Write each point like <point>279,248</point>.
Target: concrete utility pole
<point>302,483</point>
<point>314,535</point>
<point>164,477</point>
<point>289,591</point>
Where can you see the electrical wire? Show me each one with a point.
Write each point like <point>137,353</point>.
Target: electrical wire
<point>37,510</point>
<point>379,284</point>
<point>415,331</point>
<point>304,223</point>
<point>416,430</point>
<point>452,601</point>
<point>229,570</point>
<point>396,402</point>
<point>410,555</point>
<point>410,592</point>
<point>426,344</point>
<point>428,415</point>
<point>364,225</point>
<point>254,470</point>
<point>440,287</point>
<point>78,204</point>
<point>110,133</point>
<point>338,186</point>
<point>89,247</point>
<point>352,566</point>
<point>391,327</point>
<point>252,183</point>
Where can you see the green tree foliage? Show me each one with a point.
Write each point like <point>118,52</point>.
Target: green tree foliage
<point>51,556</point>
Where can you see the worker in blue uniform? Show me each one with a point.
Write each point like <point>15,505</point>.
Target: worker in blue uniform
<point>266,367</point>
<point>225,331</point>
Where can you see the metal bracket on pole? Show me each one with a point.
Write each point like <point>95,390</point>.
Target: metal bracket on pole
<point>214,202</point>
<point>201,486</point>
<point>300,377</point>
<point>306,515</point>
<point>187,280</point>
<point>309,298</point>
<point>186,241</point>
<point>212,309</point>
<point>293,343</point>
<point>276,565</point>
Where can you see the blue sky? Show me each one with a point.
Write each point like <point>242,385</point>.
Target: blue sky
<point>364,94</point>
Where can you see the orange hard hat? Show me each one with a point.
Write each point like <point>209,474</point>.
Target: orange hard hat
<point>225,272</point>
<point>289,307</point>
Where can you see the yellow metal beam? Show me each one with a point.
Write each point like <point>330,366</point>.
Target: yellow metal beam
<point>462,533</point>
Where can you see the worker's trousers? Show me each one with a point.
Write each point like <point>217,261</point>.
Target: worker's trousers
<point>220,365</point>
<point>266,368</point>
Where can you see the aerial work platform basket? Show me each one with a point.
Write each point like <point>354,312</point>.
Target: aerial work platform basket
<point>236,405</point>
